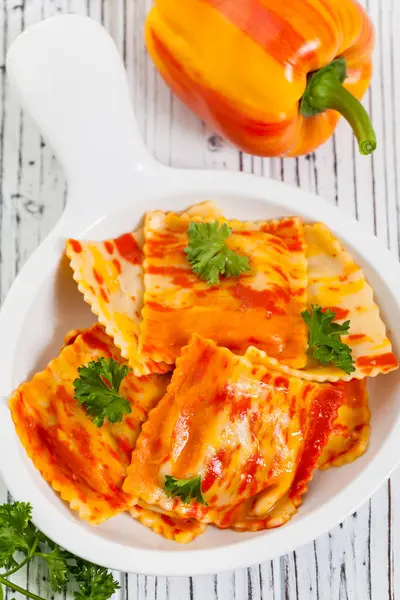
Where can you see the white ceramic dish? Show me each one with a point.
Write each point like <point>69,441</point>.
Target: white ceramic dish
<point>70,78</point>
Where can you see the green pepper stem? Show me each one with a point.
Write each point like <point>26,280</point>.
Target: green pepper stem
<point>325,91</point>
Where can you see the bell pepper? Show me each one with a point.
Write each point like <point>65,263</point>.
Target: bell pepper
<point>272,77</point>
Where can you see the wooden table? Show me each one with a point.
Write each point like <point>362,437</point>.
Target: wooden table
<point>358,559</point>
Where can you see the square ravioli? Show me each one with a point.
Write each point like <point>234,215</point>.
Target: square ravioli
<point>245,436</point>
<point>337,282</point>
<point>84,463</point>
<point>110,276</point>
<point>349,437</point>
<point>262,308</point>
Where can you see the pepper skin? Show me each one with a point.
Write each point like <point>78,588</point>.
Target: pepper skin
<point>245,67</point>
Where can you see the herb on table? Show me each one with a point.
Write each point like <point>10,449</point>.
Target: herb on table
<point>324,341</point>
<point>96,583</point>
<point>185,489</point>
<point>18,536</point>
<point>97,388</point>
<point>208,254</point>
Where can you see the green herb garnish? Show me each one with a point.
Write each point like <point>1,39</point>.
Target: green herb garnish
<point>185,489</point>
<point>208,254</point>
<point>97,388</point>
<point>324,341</point>
<point>19,536</point>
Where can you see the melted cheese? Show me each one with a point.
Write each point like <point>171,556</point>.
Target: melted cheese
<point>85,464</point>
<point>182,531</point>
<point>245,429</point>
<point>262,308</point>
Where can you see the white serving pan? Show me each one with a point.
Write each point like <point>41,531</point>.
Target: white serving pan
<point>71,80</point>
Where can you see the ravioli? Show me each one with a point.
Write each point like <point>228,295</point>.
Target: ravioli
<point>335,281</point>
<point>350,433</point>
<point>261,308</point>
<point>110,276</point>
<point>253,435</point>
<point>85,464</point>
<point>181,531</point>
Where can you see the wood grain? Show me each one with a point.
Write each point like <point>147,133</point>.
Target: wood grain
<point>358,559</point>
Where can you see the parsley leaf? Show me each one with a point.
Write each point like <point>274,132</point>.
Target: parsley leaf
<point>96,583</point>
<point>185,489</point>
<point>16,532</point>
<point>97,388</point>
<point>208,254</point>
<point>58,567</point>
<point>324,341</point>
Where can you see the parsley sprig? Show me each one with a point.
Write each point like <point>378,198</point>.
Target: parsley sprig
<point>324,341</point>
<point>208,254</point>
<point>185,489</point>
<point>97,388</point>
<point>19,536</point>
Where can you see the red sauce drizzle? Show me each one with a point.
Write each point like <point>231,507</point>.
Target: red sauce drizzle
<point>67,400</point>
<point>167,520</point>
<point>94,342</point>
<point>109,246</point>
<point>98,277</point>
<point>321,419</point>
<point>124,445</point>
<point>200,293</point>
<point>128,249</point>
<point>240,408</point>
<point>292,407</point>
<point>213,470</point>
<point>295,245</point>
<point>356,336</point>
<point>224,396</point>
<point>243,233</point>
<point>249,471</point>
<point>282,273</point>
<point>340,313</point>
<point>167,270</point>
<point>117,265</point>
<point>282,384</point>
<point>298,292</point>
<point>265,299</point>
<point>159,307</point>
<point>379,360</point>
<point>104,295</point>
<point>70,464</point>
<point>76,246</point>
<point>182,281</point>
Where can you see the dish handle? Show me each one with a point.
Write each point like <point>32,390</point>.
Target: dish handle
<point>71,79</point>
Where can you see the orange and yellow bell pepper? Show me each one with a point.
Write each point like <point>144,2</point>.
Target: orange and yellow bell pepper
<point>273,77</point>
